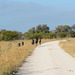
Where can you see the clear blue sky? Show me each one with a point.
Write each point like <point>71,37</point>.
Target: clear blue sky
<point>21,15</point>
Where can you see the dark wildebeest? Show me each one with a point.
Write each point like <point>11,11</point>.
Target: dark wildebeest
<point>36,41</point>
<point>22,43</point>
<point>19,44</point>
<point>32,42</point>
<point>40,41</point>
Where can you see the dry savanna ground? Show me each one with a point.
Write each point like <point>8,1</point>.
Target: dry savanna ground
<point>69,46</point>
<point>12,56</point>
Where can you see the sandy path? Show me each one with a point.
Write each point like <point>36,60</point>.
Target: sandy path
<point>48,59</point>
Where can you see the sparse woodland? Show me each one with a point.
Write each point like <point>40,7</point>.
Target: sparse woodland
<point>41,31</point>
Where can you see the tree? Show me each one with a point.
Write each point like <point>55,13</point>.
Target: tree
<point>42,28</point>
<point>27,35</point>
<point>72,33</point>
<point>59,29</point>
<point>31,31</point>
<point>39,29</point>
<point>1,37</point>
<point>62,28</point>
<point>9,35</point>
<point>73,28</point>
<point>67,28</point>
<point>45,29</point>
<point>20,35</point>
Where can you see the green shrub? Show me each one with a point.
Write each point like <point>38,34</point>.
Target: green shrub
<point>8,35</point>
<point>62,34</point>
<point>52,35</point>
<point>72,33</point>
<point>36,35</point>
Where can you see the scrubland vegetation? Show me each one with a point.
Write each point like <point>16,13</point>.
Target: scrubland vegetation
<point>12,56</point>
<point>43,31</point>
<point>69,46</point>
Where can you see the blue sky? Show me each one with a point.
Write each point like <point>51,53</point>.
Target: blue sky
<point>21,15</point>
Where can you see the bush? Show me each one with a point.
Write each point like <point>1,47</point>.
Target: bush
<point>8,35</point>
<point>72,33</point>
<point>36,35</point>
<point>62,34</point>
<point>52,35</point>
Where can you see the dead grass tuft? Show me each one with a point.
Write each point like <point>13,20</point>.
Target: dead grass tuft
<point>69,46</point>
<point>12,56</point>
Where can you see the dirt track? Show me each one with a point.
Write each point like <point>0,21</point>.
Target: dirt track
<point>48,59</point>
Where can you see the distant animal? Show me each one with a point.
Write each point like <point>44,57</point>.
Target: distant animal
<point>32,42</point>
<point>19,44</point>
<point>36,41</point>
<point>22,43</point>
<point>40,41</point>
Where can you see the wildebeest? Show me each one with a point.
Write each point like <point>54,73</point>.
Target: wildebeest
<point>40,41</point>
<point>22,43</point>
<point>32,41</point>
<point>36,41</point>
<point>19,44</point>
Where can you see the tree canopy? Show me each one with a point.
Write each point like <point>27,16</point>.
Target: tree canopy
<point>40,31</point>
<point>61,28</point>
<point>8,35</point>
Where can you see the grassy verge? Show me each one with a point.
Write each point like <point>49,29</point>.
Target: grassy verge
<point>12,56</point>
<point>69,46</point>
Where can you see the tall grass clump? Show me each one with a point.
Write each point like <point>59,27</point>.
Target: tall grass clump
<point>69,46</point>
<point>12,56</point>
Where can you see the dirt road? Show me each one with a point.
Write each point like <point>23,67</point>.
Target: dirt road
<point>48,59</point>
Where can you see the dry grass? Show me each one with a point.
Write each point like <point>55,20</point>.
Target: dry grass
<point>69,46</point>
<point>12,56</point>
<point>47,40</point>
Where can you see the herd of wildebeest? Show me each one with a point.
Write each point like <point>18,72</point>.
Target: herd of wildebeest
<point>34,41</point>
